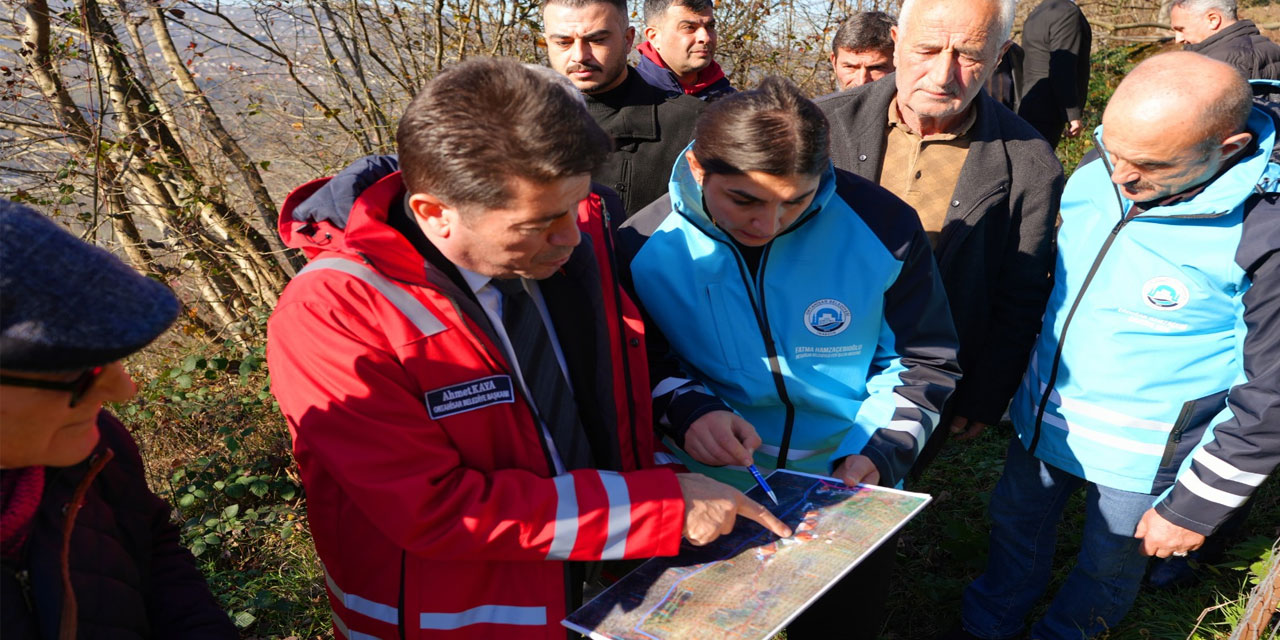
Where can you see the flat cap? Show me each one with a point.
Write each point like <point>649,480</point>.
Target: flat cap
<point>67,305</point>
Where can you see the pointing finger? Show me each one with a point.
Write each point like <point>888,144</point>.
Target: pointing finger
<point>755,511</point>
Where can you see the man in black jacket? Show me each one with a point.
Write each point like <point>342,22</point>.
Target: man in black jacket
<point>1211,28</point>
<point>984,183</point>
<point>1056,39</point>
<point>588,41</point>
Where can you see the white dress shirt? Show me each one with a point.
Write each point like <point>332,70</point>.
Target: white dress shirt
<point>490,299</point>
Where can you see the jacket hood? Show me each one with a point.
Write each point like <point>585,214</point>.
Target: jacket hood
<point>348,213</point>
<point>687,200</point>
<point>1253,172</point>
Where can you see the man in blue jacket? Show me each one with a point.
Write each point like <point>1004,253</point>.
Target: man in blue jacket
<point>1155,382</point>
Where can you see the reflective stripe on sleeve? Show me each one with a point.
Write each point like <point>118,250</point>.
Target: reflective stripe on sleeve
<point>660,457</point>
<point>902,402</point>
<point>915,429</point>
<point>1227,470</point>
<point>484,614</point>
<point>566,523</point>
<point>1195,485</point>
<point>415,311</point>
<point>615,488</point>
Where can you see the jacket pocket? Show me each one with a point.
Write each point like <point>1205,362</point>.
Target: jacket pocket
<point>1188,429</point>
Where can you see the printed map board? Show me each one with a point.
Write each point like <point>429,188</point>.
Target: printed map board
<point>749,584</point>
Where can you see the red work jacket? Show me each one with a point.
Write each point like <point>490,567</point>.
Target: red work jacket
<point>433,502</point>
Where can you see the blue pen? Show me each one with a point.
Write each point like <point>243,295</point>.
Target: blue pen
<point>755,473</point>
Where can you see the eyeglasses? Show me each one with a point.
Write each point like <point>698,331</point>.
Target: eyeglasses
<point>77,387</point>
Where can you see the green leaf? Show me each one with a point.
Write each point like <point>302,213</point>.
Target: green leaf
<point>231,511</point>
<point>183,381</point>
<point>289,492</point>
<point>259,488</point>
<point>286,531</point>
<point>265,164</point>
<point>242,619</point>
<point>186,500</point>
<point>235,491</point>
<point>213,538</point>
<point>190,363</point>
<point>211,522</point>
<point>198,547</point>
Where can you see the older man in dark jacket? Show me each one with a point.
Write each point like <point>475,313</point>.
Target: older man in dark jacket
<point>1212,28</point>
<point>984,183</point>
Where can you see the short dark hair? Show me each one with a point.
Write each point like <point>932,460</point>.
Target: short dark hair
<point>487,120</point>
<point>620,5</point>
<point>773,129</point>
<point>865,31</point>
<point>653,9</point>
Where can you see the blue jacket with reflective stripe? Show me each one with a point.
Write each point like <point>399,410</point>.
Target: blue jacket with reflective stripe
<point>840,344</point>
<point>1159,352</point>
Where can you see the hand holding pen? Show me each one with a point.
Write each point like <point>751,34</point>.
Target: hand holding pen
<point>721,438</point>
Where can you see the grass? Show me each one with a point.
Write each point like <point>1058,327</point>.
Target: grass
<point>946,546</point>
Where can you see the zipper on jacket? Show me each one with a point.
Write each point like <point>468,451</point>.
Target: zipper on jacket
<point>774,366</point>
<point>755,288</point>
<point>1093,270</point>
<point>1175,436</point>
<point>1062,339</point>
<point>23,577</point>
<point>622,333</point>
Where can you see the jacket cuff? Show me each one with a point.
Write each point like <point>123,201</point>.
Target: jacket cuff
<point>1075,113</point>
<point>686,408</point>
<point>1202,526</point>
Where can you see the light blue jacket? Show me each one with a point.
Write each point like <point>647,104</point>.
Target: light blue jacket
<point>841,344</point>
<point>1158,365</point>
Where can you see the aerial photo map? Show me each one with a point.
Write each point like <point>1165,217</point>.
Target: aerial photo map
<point>749,584</point>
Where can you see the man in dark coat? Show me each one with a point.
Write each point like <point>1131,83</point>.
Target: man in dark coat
<point>87,550</point>
<point>984,183</point>
<point>1211,28</point>
<point>589,42</point>
<point>1056,39</point>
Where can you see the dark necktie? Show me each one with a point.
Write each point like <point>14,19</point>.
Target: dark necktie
<point>552,398</point>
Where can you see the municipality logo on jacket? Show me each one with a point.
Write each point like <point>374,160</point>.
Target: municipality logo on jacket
<point>1165,294</point>
<point>826,317</point>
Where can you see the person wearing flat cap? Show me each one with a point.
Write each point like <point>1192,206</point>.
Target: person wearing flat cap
<point>88,551</point>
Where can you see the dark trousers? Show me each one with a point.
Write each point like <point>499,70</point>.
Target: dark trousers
<point>857,606</point>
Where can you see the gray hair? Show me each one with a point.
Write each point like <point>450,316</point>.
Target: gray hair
<point>1200,7</point>
<point>1004,26</point>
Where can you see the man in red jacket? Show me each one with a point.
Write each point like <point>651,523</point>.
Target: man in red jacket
<point>449,362</point>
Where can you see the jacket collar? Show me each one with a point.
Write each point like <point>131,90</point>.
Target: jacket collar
<point>1238,29</point>
<point>1251,173</point>
<point>655,70</point>
<point>632,109</point>
<point>985,171</point>
<point>687,200</point>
